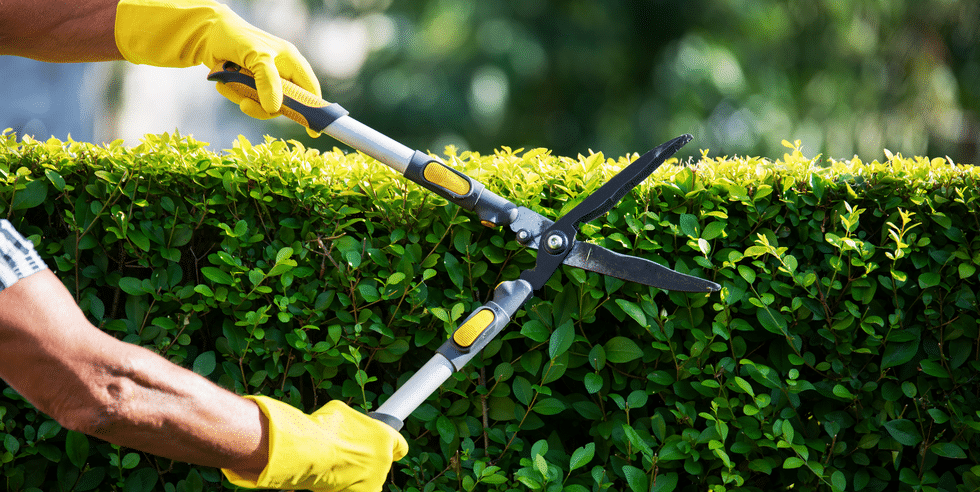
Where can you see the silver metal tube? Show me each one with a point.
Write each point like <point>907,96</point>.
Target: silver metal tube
<point>422,384</point>
<point>370,141</point>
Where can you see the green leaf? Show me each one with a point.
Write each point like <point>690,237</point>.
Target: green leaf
<point>633,311</point>
<point>217,275</point>
<point>140,240</point>
<point>746,273</point>
<point>792,462</point>
<point>929,279</point>
<point>454,270</point>
<point>637,399</point>
<point>31,196</point>
<point>841,392</point>
<point>713,230</point>
<point>948,450</point>
<point>535,330</point>
<point>934,369</point>
<point>621,349</point>
<point>772,320</point>
<point>745,386</point>
<point>597,357</point>
<point>130,461</point>
<point>76,447</point>
<point>142,480</point>
<point>204,290</point>
<point>56,179</point>
<point>204,364</point>
<point>131,286</point>
<point>904,431</point>
<point>561,339</point>
<point>637,441</point>
<point>194,482</point>
<point>838,480</point>
<point>549,406</point>
<point>636,478</point>
<point>11,443</point>
<point>501,408</point>
<point>581,456</point>
<point>898,353</point>
<point>522,390</point>
<point>541,465</point>
<point>689,225</point>
<point>593,382</point>
<point>666,482</point>
<point>446,429</point>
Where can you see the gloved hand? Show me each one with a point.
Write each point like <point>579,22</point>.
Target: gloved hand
<point>185,33</point>
<point>336,448</point>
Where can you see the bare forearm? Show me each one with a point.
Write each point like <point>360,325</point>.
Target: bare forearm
<point>92,382</point>
<point>169,411</point>
<point>59,31</point>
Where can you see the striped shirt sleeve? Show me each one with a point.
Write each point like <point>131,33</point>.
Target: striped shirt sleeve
<point>18,259</point>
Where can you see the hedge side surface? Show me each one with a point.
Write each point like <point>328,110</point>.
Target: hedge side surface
<point>842,354</point>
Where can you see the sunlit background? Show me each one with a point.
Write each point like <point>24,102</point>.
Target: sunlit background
<point>616,76</point>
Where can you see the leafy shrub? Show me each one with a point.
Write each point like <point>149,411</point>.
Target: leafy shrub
<point>842,353</point>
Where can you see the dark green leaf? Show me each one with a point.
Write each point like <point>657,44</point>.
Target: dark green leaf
<point>593,382</point>
<point>899,353</point>
<point>636,478</point>
<point>904,431</point>
<point>621,349</point>
<point>131,286</point>
<point>549,406</point>
<point>31,196</point>
<point>561,339</point>
<point>217,275</point>
<point>633,311</point>
<point>535,330</point>
<point>948,450</point>
<point>76,447</point>
<point>205,363</point>
<point>582,456</point>
<point>522,390</point>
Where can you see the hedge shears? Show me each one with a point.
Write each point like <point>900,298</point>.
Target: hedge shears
<point>555,241</point>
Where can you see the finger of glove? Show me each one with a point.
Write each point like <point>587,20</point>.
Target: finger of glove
<point>248,106</point>
<point>267,84</point>
<point>400,448</point>
<point>293,67</point>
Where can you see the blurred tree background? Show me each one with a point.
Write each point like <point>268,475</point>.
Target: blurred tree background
<point>845,77</point>
<point>621,76</point>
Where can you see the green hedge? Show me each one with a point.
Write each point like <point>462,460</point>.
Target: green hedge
<point>842,354</point>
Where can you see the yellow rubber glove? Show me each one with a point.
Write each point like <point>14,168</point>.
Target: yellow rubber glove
<point>336,448</point>
<point>185,33</point>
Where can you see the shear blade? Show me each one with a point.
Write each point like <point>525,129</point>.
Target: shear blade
<point>588,256</point>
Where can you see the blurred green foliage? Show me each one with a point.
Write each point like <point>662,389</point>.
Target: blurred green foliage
<point>619,76</point>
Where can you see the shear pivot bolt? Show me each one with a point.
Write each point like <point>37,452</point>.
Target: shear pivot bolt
<point>523,236</point>
<point>555,242</point>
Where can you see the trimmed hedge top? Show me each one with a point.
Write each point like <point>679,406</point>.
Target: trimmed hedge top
<point>842,354</point>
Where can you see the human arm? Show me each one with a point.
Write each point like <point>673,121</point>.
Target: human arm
<point>55,31</point>
<point>93,383</point>
<point>163,33</point>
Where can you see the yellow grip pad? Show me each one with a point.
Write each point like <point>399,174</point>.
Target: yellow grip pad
<point>446,178</point>
<point>465,335</point>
